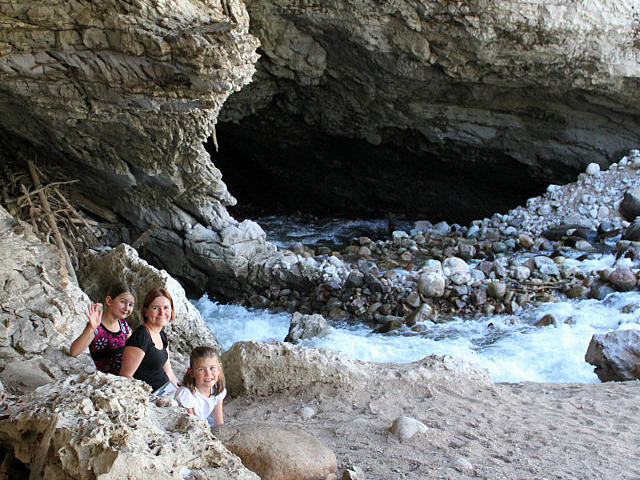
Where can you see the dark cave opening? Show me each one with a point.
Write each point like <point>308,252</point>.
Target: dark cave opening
<point>300,171</point>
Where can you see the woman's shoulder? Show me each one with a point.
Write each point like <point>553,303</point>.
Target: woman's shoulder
<point>139,336</point>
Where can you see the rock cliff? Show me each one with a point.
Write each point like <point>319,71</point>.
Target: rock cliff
<point>121,96</point>
<point>440,109</point>
<point>449,110</point>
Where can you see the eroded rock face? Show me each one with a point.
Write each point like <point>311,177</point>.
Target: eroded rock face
<point>265,368</point>
<point>440,109</point>
<point>106,426</point>
<point>41,310</point>
<point>121,96</point>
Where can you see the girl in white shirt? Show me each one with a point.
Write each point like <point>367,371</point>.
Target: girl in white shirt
<point>203,387</point>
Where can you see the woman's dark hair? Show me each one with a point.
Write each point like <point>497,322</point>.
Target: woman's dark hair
<point>120,288</point>
<point>199,353</point>
<point>151,296</point>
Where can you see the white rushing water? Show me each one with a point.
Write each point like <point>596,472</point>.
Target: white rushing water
<point>508,346</point>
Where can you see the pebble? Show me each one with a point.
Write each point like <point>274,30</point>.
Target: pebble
<point>405,274</point>
<point>306,413</point>
<point>406,427</point>
<point>592,169</point>
<point>461,464</point>
<point>497,289</point>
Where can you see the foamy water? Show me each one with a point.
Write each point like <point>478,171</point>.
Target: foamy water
<point>508,346</point>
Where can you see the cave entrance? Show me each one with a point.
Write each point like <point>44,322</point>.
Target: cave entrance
<point>298,170</point>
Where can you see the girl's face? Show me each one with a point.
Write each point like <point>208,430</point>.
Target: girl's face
<point>122,305</point>
<point>205,372</point>
<point>158,313</point>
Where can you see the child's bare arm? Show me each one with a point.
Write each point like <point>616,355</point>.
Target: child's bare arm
<point>94,315</point>
<point>217,414</point>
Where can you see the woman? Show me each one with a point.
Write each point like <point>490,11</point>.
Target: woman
<point>146,354</point>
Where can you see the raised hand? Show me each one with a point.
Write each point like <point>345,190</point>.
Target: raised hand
<point>94,314</point>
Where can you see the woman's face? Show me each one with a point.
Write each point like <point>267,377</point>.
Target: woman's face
<point>158,313</point>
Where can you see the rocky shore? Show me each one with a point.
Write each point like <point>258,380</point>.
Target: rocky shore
<point>493,265</point>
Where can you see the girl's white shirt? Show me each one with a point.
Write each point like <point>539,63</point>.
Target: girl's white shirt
<point>202,406</point>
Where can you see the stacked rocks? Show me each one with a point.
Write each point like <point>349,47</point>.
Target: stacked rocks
<point>494,265</point>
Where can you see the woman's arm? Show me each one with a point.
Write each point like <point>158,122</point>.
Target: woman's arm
<point>217,414</point>
<point>94,315</point>
<point>131,360</point>
<point>168,370</point>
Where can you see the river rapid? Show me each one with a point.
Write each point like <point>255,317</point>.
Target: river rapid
<point>509,346</point>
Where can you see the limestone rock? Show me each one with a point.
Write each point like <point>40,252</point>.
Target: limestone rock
<point>623,279</point>
<point>632,232</point>
<point>497,289</point>
<point>615,355</point>
<point>41,312</point>
<point>432,284</point>
<point>264,368</point>
<point>630,204</point>
<point>122,97</point>
<point>106,426</point>
<point>457,270</point>
<point>279,452</point>
<point>406,427</point>
<point>306,326</point>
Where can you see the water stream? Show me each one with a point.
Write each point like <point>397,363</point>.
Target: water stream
<point>508,346</point>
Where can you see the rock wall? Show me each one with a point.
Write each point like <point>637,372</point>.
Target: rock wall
<point>41,311</point>
<point>107,427</point>
<point>121,96</point>
<point>446,110</point>
<point>439,109</point>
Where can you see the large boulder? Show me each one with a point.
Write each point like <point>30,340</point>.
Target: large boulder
<point>615,355</point>
<point>105,426</point>
<point>265,368</point>
<point>279,452</point>
<point>306,326</point>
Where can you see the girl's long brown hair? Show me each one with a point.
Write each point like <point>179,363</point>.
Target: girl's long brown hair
<point>199,353</point>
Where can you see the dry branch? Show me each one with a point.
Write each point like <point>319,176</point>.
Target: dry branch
<point>52,222</point>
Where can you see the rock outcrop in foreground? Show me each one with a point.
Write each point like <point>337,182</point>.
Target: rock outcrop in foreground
<point>104,426</point>
<point>41,311</point>
<point>267,368</point>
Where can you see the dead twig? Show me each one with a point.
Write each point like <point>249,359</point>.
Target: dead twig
<point>52,222</point>
<point>140,240</point>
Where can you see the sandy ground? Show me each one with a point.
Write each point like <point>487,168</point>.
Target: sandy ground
<point>504,431</point>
